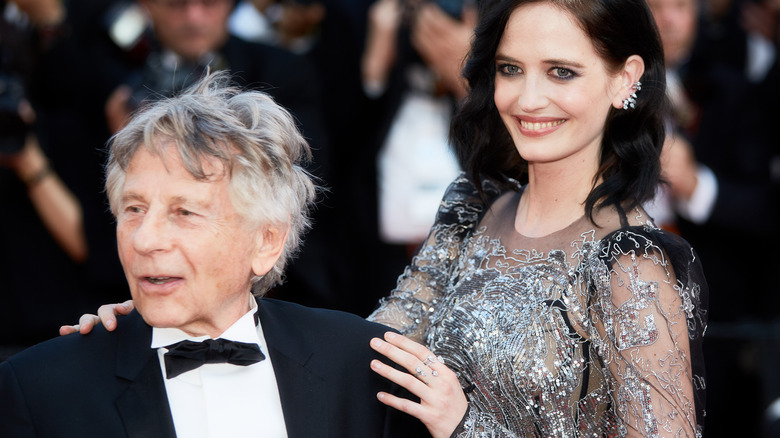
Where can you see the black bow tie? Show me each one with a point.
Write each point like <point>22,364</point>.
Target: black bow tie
<point>187,355</point>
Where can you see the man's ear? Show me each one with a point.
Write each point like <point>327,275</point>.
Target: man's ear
<point>629,75</point>
<point>270,243</point>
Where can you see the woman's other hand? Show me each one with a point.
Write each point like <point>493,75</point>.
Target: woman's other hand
<point>107,314</point>
<point>442,401</point>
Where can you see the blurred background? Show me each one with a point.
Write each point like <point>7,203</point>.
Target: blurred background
<point>373,84</point>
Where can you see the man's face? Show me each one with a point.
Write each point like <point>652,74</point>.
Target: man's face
<point>677,23</point>
<point>190,28</point>
<point>187,254</point>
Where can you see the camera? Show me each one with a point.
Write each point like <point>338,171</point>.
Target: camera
<point>13,130</point>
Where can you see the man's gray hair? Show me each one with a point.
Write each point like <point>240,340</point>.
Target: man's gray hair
<point>255,139</point>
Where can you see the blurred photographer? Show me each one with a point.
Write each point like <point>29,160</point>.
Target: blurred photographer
<point>292,24</point>
<point>187,37</point>
<point>58,209</point>
<point>41,221</point>
<point>410,71</point>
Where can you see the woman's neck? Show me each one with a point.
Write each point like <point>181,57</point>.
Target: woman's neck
<point>553,199</point>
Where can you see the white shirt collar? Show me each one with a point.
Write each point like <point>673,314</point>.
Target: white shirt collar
<point>243,330</point>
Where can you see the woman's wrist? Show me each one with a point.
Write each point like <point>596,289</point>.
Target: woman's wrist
<point>461,427</point>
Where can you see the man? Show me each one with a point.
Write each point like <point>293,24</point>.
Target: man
<point>210,203</point>
<point>184,39</point>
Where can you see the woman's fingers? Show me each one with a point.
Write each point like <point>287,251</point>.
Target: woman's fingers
<point>107,313</point>
<point>86,323</point>
<point>406,344</point>
<point>68,329</point>
<point>414,381</point>
<point>416,358</point>
<point>414,409</point>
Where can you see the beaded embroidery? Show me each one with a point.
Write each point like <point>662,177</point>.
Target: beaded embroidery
<point>588,332</point>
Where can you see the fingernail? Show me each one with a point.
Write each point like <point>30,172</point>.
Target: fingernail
<point>380,395</point>
<point>110,324</point>
<point>375,364</point>
<point>390,335</point>
<point>376,342</point>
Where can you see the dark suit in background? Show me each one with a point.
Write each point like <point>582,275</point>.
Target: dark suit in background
<point>736,135</point>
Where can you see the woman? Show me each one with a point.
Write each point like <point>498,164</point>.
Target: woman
<point>554,307</point>
<point>556,304</point>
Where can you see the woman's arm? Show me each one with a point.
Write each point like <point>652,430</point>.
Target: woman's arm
<point>424,281</point>
<point>648,324</point>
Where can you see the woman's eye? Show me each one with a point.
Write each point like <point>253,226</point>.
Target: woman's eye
<point>183,212</point>
<point>563,73</point>
<point>509,69</point>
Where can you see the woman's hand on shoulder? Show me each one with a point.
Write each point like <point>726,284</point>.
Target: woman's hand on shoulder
<point>106,315</point>
<point>442,401</point>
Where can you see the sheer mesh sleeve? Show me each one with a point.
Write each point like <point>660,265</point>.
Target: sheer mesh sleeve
<point>422,283</point>
<point>647,321</point>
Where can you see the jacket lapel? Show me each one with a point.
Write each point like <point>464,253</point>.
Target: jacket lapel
<point>301,389</point>
<point>144,405</point>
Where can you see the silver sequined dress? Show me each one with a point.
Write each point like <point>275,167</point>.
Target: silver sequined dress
<point>588,332</point>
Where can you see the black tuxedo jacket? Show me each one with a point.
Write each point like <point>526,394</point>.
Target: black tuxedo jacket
<point>111,385</point>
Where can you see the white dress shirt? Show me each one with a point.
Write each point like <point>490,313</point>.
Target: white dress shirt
<point>224,400</point>
<point>699,208</point>
<point>416,163</point>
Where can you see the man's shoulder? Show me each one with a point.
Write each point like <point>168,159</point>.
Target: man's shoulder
<point>76,350</point>
<point>313,317</point>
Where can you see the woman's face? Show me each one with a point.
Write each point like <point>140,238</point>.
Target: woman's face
<point>552,89</point>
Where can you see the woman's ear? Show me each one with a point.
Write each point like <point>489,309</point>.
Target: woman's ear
<point>270,243</point>
<point>628,77</point>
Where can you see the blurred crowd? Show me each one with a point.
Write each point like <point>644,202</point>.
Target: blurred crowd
<point>373,84</point>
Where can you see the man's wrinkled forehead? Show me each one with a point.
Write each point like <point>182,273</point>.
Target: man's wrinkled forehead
<point>179,155</point>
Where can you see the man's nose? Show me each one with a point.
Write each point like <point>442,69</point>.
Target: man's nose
<point>153,234</point>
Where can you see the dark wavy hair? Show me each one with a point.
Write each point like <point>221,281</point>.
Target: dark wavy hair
<point>630,166</point>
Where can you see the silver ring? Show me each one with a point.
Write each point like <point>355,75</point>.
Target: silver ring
<point>429,360</point>
<point>435,373</point>
<point>419,372</point>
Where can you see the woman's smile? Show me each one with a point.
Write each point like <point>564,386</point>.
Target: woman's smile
<point>537,127</point>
